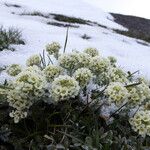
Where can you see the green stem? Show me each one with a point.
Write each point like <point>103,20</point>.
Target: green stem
<point>50,60</point>
<point>118,110</point>
<point>134,84</point>
<point>66,40</point>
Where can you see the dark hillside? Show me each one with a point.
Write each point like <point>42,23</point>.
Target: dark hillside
<point>138,27</point>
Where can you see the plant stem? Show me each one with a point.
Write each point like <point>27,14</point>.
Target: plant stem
<point>134,84</point>
<point>118,110</point>
<point>50,59</point>
<point>130,75</point>
<point>66,40</point>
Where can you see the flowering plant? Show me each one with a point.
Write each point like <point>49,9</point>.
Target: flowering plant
<point>78,78</point>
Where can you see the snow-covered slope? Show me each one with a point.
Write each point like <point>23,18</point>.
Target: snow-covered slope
<point>78,8</point>
<point>37,33</point>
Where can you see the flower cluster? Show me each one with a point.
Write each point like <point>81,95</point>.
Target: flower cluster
<point>102,79</point>
<point>99,65</point>
<point>51,72</point>
<point>67,78</point>
<point>113,74</point>
<point>33,60</point>
<point>145,90</point>
<point>14,69</point>
<point>18,100</point>
<point>83,76</point>
<point>147,106</point>
<point>74,60</point>
<point>143,80</point>
<point>64,87</point>
<point>117,93</point>
<point>18,115</point>
<point>3,91</point>
<point>141,122</point>
<point>31,82</point>
<point>25,89</point>
<point>117,75</point>
<point>138,94</point>
<point>68,61</point>
<point>53,49</point>
<point>92,52</point>
<point>83,60</point>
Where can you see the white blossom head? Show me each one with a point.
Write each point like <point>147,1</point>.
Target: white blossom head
<point>143,80</point>
<point>64,87</point>
<point>99,65</point>
<point>33,60</point>
<point>53,49</point>
<point>14,69</point>
<point>113,74</point>
<point>117,75</point>
<point>91,51</point>
<point>68,61</point>
<point>83,76</point>
<point>117,93</point>
<point>30,82</point>
<point>74,60</point>
<point>18,115</point>
<point>18,100</point>
<point>102,79</point>
<point>141,123</point>
<point>147,106</point>
<point>28,87</point>
<point>83,60</point>
<point>3,91</point>
<point>51,72</point>
<point>138,94</point>
<point>34,68</point>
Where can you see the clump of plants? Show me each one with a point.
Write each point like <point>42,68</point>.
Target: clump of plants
<point>10,36</point>
<point>77,101</point>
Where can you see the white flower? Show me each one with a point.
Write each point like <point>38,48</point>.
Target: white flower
<point>147,106</point>
<point>52,71</point>
<point>138,94</point>
<point>113,74</point>
<point>68,61</point>
<point>83,60</point>
<point>34,69</point>
<point>83,76</point>
<point>99,65</point>
<point>144,90</point>
<point>102,79</point>
<point>29,81</point>
<point>3,91</point>
<point>53,49</point>
<point>33,60</point>
<point>14,69</point>
<point>117,93</point>
<point>143,80</point>
<point>64,87</point>
<point>28,87</point>
<point>141,122</point>
<point>17,115</point>
<point>74,60</point>
<point>18,100</point>
<point>117,75</point>
<point>92,51</point>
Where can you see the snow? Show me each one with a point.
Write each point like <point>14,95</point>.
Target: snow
<point>131,55</point>
<point>78,8</point>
